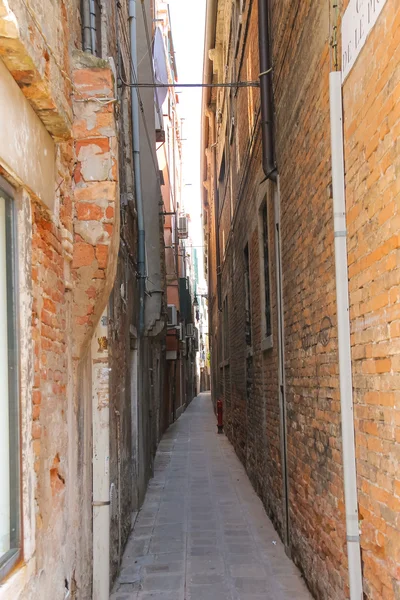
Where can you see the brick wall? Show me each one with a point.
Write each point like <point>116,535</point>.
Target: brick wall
<point>70,243</point>
<point>311,369</point>
<point>372,127</point>
<point>248,381</point>
<point>247,378</point>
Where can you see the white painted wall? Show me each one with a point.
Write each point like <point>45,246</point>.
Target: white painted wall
<point>27,151</point>
<point>101,461</point>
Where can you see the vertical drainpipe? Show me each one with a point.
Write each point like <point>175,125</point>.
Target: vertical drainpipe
<point>216,208</point>
<point>343,320</point>
<point>87,26</point>
<point>136,164</point>
<point>93,25</point>
<point>101,464</point>
<point>267,110</point>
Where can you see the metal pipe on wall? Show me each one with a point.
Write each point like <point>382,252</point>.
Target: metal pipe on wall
<point>216,208</point>
<point>345,366</point>
<point>275,189</point>
<point>267,111</point>
<point>101,464</point>
<point>87,26</point>
<point>93,26</point>
<point>136,164</point>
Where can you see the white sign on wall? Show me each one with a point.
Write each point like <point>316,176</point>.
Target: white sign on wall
<point>358,20</point>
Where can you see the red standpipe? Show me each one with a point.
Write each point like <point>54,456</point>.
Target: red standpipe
<point>220,420</point>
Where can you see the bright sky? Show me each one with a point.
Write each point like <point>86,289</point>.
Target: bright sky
<point>187,24</point>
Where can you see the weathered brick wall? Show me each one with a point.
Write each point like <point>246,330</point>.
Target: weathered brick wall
<point>96,196</point>
<point>71,282</point>
<point>72,244</point>
<point>311,369</point>
<point>248,380</point>
<point>372,126</point>
<point>49,395</point>
<point>301,59</point>
<point>35,42</point>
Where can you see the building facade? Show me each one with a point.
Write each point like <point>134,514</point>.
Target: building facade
<point>85,314</point>
<point>179,384</point>
<point>270,176</point>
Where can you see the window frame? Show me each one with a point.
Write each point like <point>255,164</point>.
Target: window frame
<point>14,554</point>
<point>247,297</point>
<point>225,331</point>
<point>267,332</point>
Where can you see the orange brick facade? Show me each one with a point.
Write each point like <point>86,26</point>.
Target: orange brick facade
<point>288,420</point>
<point>371,96</point>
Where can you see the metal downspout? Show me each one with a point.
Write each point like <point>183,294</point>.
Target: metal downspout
<point>216,209</point>
<point>87,26</point>
<point>136,164</point>
<point>93,26</point>
<point>344,344</point>
<point>100,465</point>
<point>267,111</point>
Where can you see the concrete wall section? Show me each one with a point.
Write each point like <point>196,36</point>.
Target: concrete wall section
<point>152,199</point>
<point>27,151</point>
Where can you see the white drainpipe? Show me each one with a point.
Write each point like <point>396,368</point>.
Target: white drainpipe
<point>343,320</point>
<point>101,462</point>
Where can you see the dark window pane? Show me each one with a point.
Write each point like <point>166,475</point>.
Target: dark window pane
<point>226,330</point>
<point>247,296</point>
<point>268,325</point>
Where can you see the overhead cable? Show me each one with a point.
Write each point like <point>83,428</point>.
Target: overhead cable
<point>234,84</point>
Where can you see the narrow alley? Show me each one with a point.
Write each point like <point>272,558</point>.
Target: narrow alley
<point>199,225</point>
<point>202,533</point>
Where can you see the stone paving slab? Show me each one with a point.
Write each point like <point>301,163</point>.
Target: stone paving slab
<point>202,533</point>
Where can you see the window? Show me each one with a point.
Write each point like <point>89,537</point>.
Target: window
<point>221,178</point>
<point>225,329</point>
<point>247,296</point>
<point>267,287</point>
<point>9,396</point>
<point>231,194</point>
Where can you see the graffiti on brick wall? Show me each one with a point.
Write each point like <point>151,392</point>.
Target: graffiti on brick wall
<point>310,338</point>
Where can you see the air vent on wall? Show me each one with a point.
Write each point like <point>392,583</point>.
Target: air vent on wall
<point>172,315</point>
<point>183,232</point>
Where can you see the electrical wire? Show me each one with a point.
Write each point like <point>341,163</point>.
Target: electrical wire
<point>234,84</point>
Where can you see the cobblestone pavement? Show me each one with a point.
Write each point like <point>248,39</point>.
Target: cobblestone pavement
<point>202,533</point>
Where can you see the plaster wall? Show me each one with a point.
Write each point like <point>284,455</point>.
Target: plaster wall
<point>27,150</point>
<point>68,233</point>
